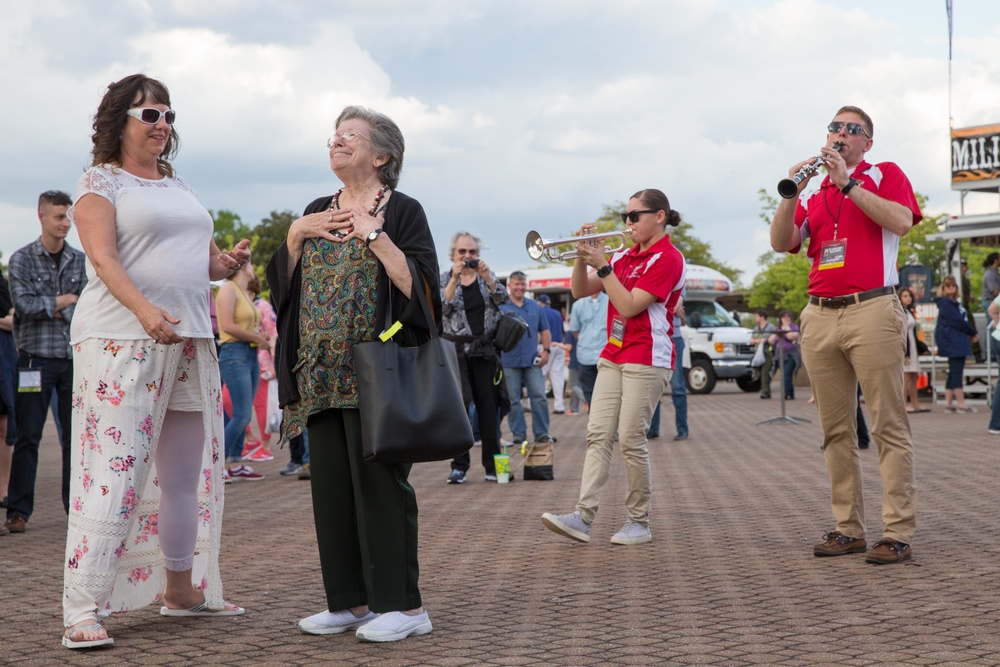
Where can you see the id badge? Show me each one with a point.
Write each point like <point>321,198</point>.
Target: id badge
<point>833,254</point>
<point>617,334</point>
<point>29,382</point>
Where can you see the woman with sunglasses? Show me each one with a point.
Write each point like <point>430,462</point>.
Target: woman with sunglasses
<point>643,284</point>
<point>471,297</point>
<point>145,514</point>
<point>364,252</point>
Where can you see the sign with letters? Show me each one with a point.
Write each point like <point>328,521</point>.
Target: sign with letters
<point>975,156</point>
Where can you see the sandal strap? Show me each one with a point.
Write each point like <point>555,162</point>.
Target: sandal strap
<point>95,626</point>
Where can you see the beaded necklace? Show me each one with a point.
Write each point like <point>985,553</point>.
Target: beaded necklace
<point>379,196</point>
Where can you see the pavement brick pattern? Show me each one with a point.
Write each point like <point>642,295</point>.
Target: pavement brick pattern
<point>729,578</point>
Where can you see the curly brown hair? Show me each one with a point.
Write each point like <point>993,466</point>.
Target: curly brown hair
<point>133,90</point>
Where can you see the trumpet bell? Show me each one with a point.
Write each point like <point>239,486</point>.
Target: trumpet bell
<point>535,245</point>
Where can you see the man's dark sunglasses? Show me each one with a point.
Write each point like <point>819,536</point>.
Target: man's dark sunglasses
<point>852,128</point>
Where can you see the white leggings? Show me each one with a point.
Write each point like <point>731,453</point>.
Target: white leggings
<point>178,466</point>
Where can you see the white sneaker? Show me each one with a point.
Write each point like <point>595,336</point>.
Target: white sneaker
<point>571,525</point>
<point>332,623</point>
<point>632,533</point>
<point>393,626</point>
<point>994,431</point>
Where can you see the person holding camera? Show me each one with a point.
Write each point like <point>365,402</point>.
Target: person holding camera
<point>471,297</point>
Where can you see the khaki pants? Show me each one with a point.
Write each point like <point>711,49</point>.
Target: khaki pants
<point>625,396</point>
<point>841,347</point>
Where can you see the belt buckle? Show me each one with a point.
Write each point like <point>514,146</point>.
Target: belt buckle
<point>837,302</point>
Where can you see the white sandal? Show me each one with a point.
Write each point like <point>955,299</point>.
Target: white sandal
<point>68,642</point>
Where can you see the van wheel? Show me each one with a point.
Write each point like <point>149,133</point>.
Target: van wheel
<point>701,377</point>
<point>748,383</point>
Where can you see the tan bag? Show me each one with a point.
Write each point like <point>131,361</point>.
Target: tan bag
<point>538,462</point>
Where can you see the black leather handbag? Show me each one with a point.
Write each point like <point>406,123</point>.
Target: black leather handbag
<point>410,398</point>
<point>510,331</point>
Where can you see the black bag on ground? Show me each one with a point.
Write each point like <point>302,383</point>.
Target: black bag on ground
<point>410,398</point>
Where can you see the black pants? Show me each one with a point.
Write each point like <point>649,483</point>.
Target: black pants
<point>32,409</point>
<point>366,519</point>
<point>480,372</point>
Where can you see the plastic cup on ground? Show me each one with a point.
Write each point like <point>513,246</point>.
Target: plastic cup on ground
<point>502,463</point>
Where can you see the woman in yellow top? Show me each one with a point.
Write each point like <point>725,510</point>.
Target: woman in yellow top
<point>239,334</point>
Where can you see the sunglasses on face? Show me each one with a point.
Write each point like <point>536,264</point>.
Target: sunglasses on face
<point>852,128</point>
<point>633,216</point>
<point>464,251</point>
<point>151,116</point>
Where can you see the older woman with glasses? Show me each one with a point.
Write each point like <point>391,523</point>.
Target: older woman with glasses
<point>353,258</point>
<point>145,516</point>
<point>471,296</point>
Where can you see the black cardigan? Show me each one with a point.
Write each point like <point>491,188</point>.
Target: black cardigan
<point>406,225</point>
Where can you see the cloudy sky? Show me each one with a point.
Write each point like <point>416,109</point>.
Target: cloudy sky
<point>518,114</point>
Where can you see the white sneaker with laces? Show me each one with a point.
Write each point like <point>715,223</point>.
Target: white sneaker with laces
<point>570,525</point>
<point>393,626</point>
<point>332,623</point>
<point>632,533</point>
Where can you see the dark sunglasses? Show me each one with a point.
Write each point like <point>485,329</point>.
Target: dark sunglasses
<point>463,251</point>
<point>633,216</point>
<point>852,128</point>
<point>151,116</point>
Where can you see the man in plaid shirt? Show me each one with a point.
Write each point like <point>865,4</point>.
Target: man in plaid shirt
<point>46,278</point>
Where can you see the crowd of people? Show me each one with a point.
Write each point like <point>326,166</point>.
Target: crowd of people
<point>155,385</point>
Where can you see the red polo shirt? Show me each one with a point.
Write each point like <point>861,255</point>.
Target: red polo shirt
<point>871,252</point>
<point>659,271</point>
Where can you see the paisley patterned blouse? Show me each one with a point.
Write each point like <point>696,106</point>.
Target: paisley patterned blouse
<point>336,311</point>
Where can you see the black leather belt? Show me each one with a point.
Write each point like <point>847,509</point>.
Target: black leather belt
<point>850,299</point>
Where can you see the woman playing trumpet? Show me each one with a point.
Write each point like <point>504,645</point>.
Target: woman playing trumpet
<point>643,284</point>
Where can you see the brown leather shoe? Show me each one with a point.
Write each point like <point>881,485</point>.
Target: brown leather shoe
<point>837,544</point>
<point>888,552</point>
<point>16,524</point>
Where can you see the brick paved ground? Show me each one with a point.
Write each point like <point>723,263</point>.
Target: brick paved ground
<point>728,580</point>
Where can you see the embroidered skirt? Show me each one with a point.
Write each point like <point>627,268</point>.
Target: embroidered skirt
<point>121,392</point>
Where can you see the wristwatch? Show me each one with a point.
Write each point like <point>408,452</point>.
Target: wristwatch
<point>372,235</point>
<point>604,271</point>
<point>847,188</point>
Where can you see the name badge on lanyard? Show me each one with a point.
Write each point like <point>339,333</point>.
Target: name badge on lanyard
<point>617,335</point>
<point>833,254</point>
<point>29,382</point>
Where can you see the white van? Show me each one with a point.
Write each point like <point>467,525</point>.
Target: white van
<point>717,347</point>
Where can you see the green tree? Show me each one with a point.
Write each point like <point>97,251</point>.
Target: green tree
<point>265,239</point>
<point>228,229</point>
<point>695,250</point>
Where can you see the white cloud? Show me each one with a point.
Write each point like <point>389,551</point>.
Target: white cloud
<point>517,114</point>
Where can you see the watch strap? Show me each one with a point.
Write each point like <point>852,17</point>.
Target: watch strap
<point>847,188</point>
<point>604,271</point>
<point>372,235</point>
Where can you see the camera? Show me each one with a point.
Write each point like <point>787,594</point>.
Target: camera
<point>471,263</point>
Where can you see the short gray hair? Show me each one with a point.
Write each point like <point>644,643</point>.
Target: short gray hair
<point>386,139</point>
<point>457,236</point>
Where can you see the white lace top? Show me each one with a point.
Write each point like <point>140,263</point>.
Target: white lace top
<point>163,236</point>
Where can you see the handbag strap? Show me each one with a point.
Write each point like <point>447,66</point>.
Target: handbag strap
<point>416,291</point>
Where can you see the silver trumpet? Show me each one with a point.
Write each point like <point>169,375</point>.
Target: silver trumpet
<point>789,187</point>
<point>545,249</point>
